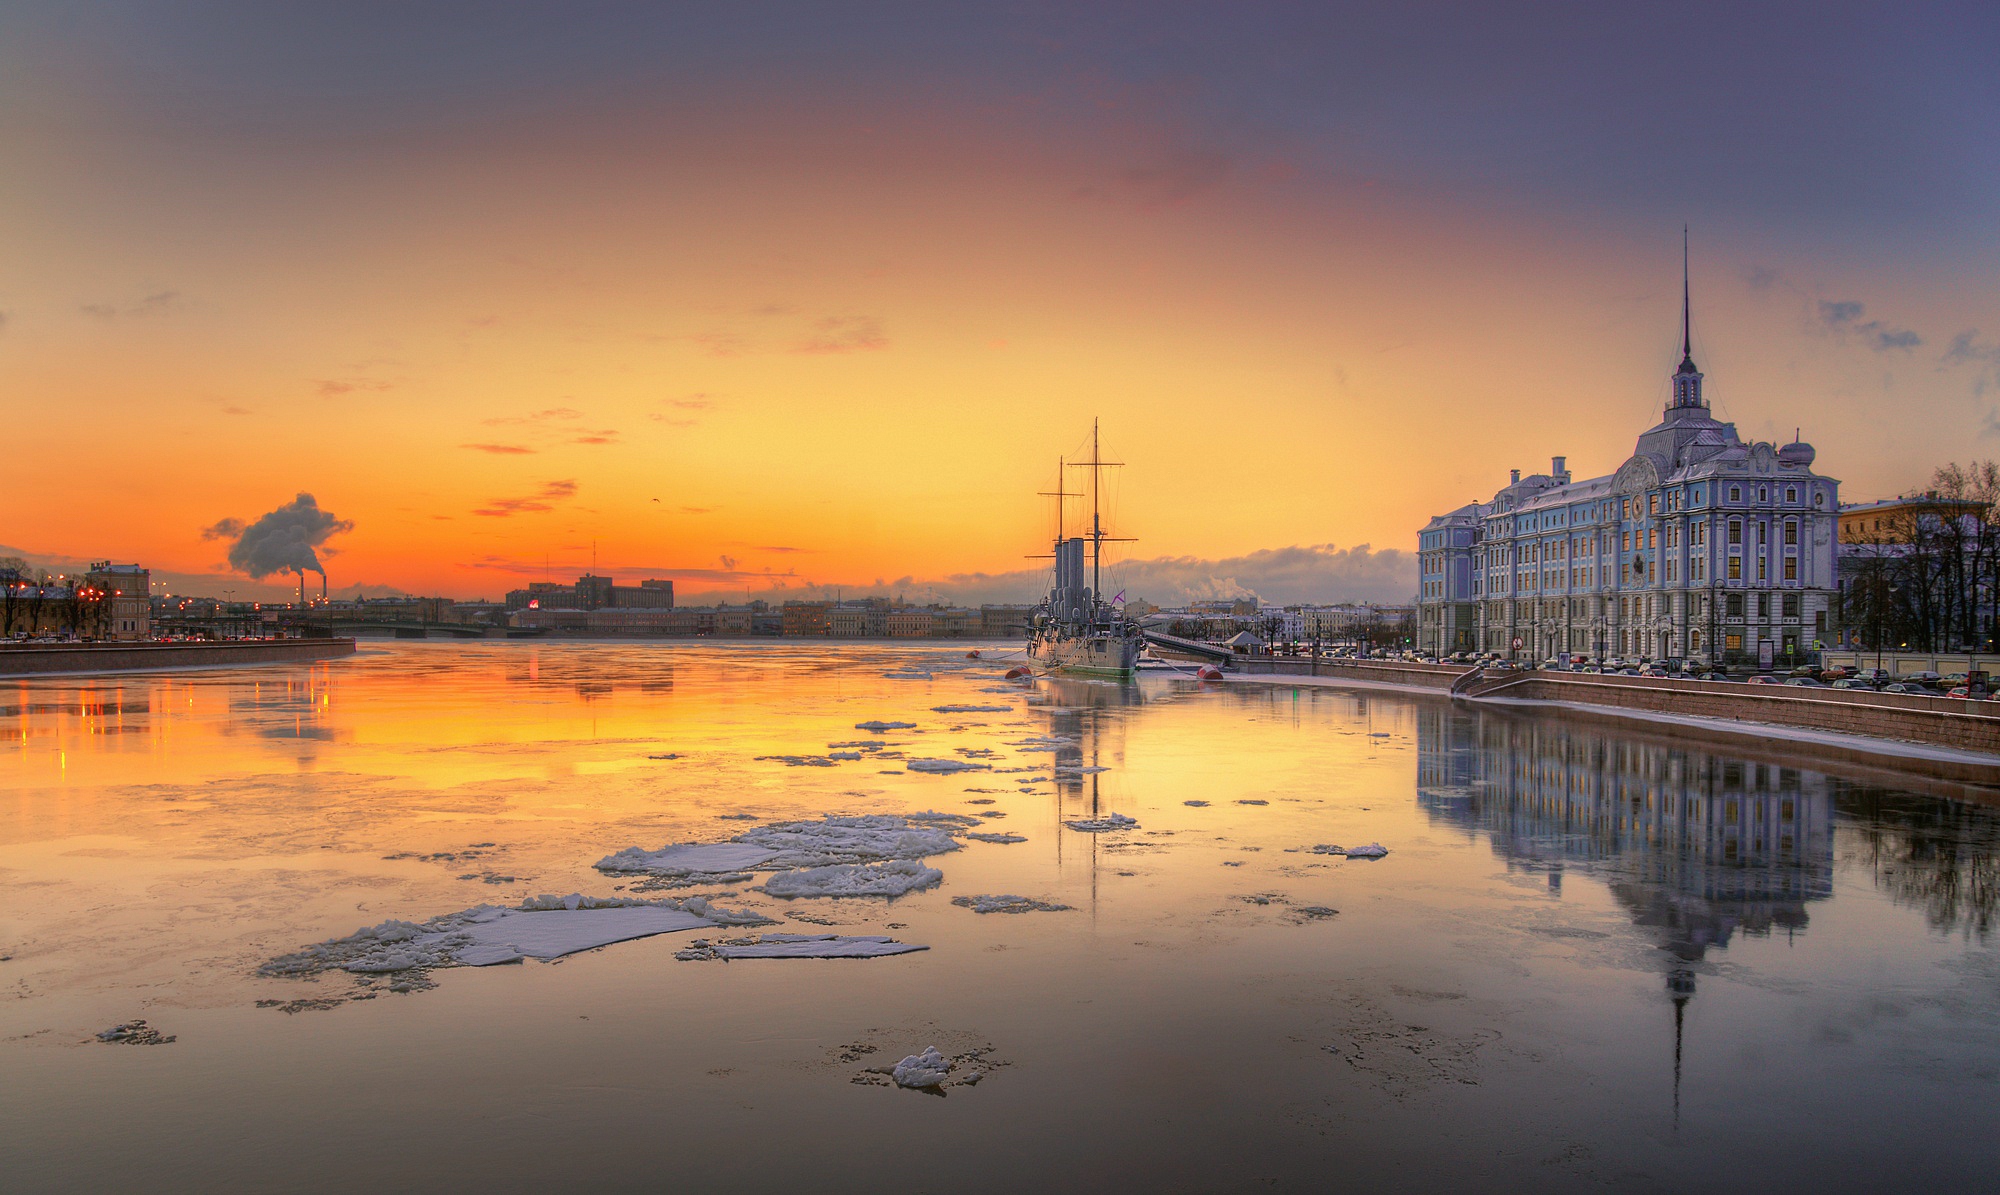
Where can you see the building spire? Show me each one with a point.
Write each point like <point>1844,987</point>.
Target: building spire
<point>1687,379</point>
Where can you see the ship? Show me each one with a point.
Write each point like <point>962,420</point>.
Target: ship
<point>1074,631</point>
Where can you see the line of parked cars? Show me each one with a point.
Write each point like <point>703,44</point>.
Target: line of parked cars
<point>1968,686</point>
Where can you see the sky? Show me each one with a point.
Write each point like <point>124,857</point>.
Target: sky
<point>786,298</point>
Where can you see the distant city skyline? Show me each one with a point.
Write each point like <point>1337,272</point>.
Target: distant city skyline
<point>819,297</point>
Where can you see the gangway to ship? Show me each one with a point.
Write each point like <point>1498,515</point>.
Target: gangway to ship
<point>1189,647</point>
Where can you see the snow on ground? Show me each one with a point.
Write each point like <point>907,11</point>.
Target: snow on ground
<point>1003,839</point>
<point>945,766</point>
<point>542,927</point>
<point>879,727</point>
<point>795,946</point>
<point>1007,904</point>
<point>1098,825</point>
<point>897,877</point>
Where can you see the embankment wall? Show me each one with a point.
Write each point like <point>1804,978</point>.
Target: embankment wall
<point>47,659</point>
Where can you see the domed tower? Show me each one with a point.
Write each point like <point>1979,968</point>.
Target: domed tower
<point>1687,379</point>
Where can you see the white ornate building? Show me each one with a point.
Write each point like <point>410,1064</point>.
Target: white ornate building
<point>1699,547</point>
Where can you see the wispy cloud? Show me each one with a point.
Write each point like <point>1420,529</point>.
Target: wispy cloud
<point>698,510</point>
<point>542,500</point>
<point>152,304</point>
<point>501,449</point>
<point>1983,356</point>
<point>334,388</point>
<point>844,334</point>
<point>1843,318</point>
<point>532,418</point>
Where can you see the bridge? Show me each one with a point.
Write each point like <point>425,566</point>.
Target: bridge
<point>400,628</point>
<point>1194,648</point>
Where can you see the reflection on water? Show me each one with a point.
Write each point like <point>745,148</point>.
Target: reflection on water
<point>1604,960</point>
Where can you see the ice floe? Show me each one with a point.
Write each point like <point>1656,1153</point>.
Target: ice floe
<point>1099,825</point>
<point>795,946</point>
<point>894,878</point>
<point>1007,904</point>
<point>1044,742</point>
<point>879,727</point>
<point>945,766</point>
<point>135,1033</point>
<point>862,839</point>
<point>927,1069</point>
<point>1373,850</point>
<point>798,761</point>
<point>668,755</point>
<point>972,709</point>
<point>1003,839</point>
<point>1196,804</point>
<point>858,745</point>
<point>849,755</point>
<point>1079,770</point>
<point>907,674</point>
<point>542,927</point>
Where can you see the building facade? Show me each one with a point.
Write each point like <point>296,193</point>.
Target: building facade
<point>1699,547</point>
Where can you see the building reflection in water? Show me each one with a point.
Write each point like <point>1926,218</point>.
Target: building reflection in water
<point>1698,848</point>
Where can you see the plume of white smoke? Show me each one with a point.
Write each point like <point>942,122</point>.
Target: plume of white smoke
<point>284,541</point>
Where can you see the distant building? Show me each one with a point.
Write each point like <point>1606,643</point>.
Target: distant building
<point>806,618</point>
<point>125,591</point>
<point>1011,622</point>
<point>911,622</point>
<point>592,593</point>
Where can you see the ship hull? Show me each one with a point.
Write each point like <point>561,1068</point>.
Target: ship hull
<point>1105,656</point>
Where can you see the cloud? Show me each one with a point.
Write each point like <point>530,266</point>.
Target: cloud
<point>542,500</point>
<point>606,436</point>
<point>728,562</point>
<point>780,548</point>
<point>1843,317</point>
<point>237,411</point>
<point>844,334</point>
<point>533,417</point>
<point>1760,277</point>
<point>152,304</point>
<point>1311,573</point>
<point>698,510</point>
<point>501,449</point>
<point>1982,355</point>
<point>282,541</point>
<point>331,388</point>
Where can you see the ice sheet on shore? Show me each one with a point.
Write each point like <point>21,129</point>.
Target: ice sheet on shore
<point>897,877</point>
<point>796,946</point>
<point>543,927</point>
<point>1007,904</point>
<point>1099,825</point>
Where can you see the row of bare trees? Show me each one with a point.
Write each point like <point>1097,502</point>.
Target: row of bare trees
<point>1925,574</point>
<point>33,602</point>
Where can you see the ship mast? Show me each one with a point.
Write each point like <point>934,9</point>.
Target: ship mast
<point>1096,464</point>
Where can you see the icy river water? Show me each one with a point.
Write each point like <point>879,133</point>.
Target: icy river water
<point>1587,959</point>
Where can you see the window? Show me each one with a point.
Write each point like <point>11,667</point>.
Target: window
<point>1763,495</point>
<point>1763,569</point>
<point>1736,568</point>
<point>1763,605</point>
<point>1792,532</point>
<point>1655,507</point>
<point>1791,568</point>
<point>1732,642</point>
<point>1734,605</point>
<point>1761,529</point>
<point>1791,493</point>
<point>1791,606</point>
<point>1735,531</point>
<point>1736,493</point>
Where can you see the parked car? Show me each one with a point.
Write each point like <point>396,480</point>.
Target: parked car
<point>1803,682</point>
<point>1763,680</point>
<point>1908,690</point>
<point>1964,693</point>
<point>1859,685</point>
<point>1874,674</point>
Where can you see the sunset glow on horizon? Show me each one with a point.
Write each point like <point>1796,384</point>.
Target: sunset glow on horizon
<point>805,298</point>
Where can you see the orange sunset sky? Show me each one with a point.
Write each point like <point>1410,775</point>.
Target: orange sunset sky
<point>814,296</point>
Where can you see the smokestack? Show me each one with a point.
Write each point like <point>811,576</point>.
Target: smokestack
<point>1517,477</point>
<point>1560,471</point>
<point>322,586</point>
<point>302,589</point>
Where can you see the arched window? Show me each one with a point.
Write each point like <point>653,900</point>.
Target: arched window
<point>1736,493</point>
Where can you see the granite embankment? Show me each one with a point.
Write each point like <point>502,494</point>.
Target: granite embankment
<point>43,659</point>
<point>1943,736</point>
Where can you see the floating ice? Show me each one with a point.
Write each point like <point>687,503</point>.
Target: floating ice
<point>1252,801</point>
<point>1003,839</point>
<point>1373,850</point>
<point>798,761</point>
<point>1007,904</point>
<point>927,1069</point>
<point>1079,770</point>
<point>782,845</point>
<point>972,709</point>
<point>879,727</point>
<point>135,1033</point>
<point>543,927</point>
<point>858,745</point>
<point>668,755</point>
<point>795,946</point>
<point>1196,804</point>
<point>944,766</point>
<point>907,674</point>
<point>843,755</point>
<point>1098,825</point>
<point>897,877</point>
<point>690,858</point>
<point>1044,742</point>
